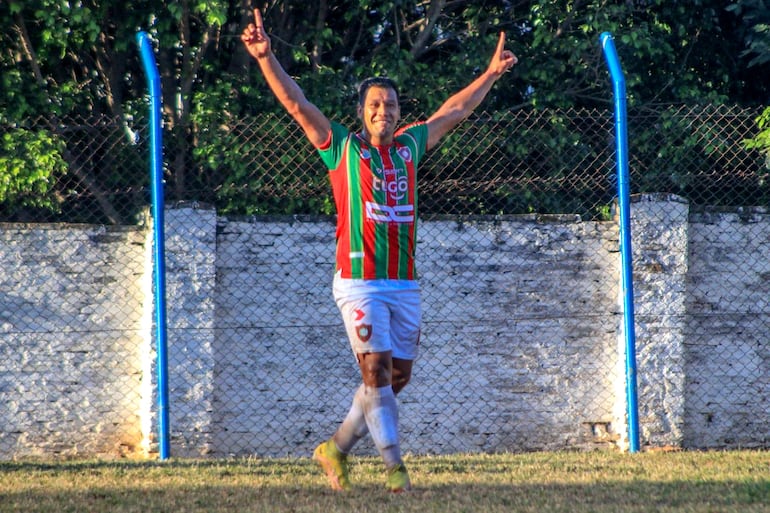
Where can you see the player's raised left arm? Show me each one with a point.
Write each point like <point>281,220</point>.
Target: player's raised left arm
<point>461,104</point>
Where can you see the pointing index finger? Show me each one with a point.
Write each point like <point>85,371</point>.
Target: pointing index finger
<point>501,44</point>
<point>257,18</point>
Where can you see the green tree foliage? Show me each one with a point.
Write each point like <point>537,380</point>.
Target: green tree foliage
<point>31,162</point>
<point>761,141</point>
<point>59,59</point>
<point>756,16</point>
<point>756,31</point>
<point>671,51</point>
<point>65,59</point>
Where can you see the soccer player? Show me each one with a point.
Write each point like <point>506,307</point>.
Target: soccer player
<point>373,175</point>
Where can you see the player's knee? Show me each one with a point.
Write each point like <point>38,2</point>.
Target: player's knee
<point>399,384</point>
<point>375,371</point>
<point>402,373</point>
<point>400,380</point>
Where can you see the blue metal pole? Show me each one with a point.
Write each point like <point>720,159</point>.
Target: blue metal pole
<point>159,253</point>
<point>621,142</point>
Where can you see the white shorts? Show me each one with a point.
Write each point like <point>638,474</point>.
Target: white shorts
<point>380,315</point>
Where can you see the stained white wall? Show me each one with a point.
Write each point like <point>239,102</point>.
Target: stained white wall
<point>520,346</point>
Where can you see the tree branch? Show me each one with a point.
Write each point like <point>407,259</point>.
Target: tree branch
<point>320,21</point>
<point>26,45</point>
<point>566,25</point>
<point>434,11</point>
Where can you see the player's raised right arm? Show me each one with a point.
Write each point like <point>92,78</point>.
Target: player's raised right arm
<point>314,123</point>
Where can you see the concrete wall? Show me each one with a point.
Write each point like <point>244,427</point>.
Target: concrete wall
<point>71,343</point>
<point>727,330</point>
<point>521,346</point>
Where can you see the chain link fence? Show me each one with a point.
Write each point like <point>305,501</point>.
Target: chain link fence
<point>518,260</point>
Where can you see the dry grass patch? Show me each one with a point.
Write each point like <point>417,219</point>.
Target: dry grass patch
<point>735,481</point>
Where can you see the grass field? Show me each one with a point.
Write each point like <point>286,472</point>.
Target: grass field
<point>735,481</point>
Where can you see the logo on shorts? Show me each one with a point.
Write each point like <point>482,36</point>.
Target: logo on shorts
<point>364,332</point>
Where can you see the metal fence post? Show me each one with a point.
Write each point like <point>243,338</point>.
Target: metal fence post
<point>156,171</point>
<point>621,142</point>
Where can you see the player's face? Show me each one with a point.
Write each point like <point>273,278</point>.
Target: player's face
<point>380,114</point>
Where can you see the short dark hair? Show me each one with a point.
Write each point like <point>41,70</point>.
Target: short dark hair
<point>370,82</point>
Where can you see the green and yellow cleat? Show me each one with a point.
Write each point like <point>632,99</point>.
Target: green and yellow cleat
<point>398,479</point>
<point>334,464</point>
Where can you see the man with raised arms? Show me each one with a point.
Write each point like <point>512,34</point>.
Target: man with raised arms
<point>373,174</point>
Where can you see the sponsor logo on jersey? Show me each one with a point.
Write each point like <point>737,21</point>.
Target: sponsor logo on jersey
<point>389,213</point>
<point>395,184</point>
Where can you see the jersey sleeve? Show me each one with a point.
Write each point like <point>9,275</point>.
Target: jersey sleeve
<point>418,132</point>
<point>334,148</point>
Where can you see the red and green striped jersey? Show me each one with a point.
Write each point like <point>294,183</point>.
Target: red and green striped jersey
<point>375,192</point>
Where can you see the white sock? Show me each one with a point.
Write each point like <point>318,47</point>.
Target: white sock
<point>381,413</point>
<point>353,428</point>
